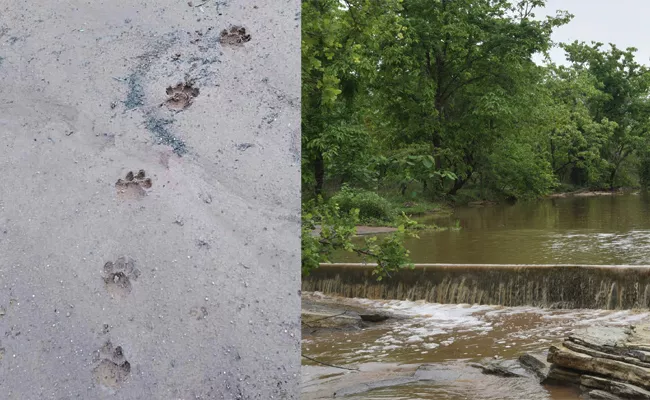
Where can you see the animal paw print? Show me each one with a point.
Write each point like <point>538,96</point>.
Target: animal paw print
<point>118,276</point>
<point>199,313</point>
<point>181,96</point>
<point>112,369</point>
<point>133,186</point>
<point>236,36</point>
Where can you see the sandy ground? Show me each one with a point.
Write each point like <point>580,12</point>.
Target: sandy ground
<point>180,281</point>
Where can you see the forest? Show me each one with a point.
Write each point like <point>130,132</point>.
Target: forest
<point>407,104</point>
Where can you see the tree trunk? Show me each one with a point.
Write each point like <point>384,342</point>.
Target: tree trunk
<point>612,176</point>
<point>458,184</point>
<point>319,174</point>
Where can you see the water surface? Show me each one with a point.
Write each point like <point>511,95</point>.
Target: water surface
<point>448,337</point>
<point>581,230</point>
<point>603,230</point>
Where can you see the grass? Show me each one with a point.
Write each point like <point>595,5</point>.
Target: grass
<point>377,210</point>
<point>419,207</point>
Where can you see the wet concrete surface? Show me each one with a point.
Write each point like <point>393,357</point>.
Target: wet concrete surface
<point>149,235</point>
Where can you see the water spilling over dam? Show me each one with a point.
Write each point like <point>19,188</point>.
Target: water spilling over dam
<point>548,286</point>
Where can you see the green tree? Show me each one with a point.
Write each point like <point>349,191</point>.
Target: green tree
<point>340,43</point>
<point>625,84</point>
<point>575,139</point>
<point>454,79</point>
<point>335,230</point>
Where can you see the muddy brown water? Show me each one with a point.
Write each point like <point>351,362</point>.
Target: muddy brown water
<point>598,230</point>
<point>448,338</point>
<point>574,230</point>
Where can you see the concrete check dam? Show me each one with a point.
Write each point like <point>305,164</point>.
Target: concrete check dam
<point>548,286</point>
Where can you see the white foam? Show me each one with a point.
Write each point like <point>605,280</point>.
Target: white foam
<point>414,339</point>
<point>428,326</point>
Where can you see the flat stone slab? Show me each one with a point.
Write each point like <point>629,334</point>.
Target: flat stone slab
<point>559,375</point>
<point>601,395</point>
<point>620,343</point>
<point>566,358</point>
<point>624,390</point>
<point>502,368</point>
<point>312,319</point>
<point>366,387</point>
<point>607,362</point>
<point>536,363</point>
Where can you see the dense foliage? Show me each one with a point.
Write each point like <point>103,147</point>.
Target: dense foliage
<point>429,98</point>
<point>326,228</point>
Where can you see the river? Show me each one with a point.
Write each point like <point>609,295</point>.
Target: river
<point>573,230</point>
<point>582,230</point>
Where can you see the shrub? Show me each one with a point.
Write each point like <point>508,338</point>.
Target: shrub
<point>371,206</point>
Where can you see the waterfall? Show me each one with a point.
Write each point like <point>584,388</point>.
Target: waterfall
<point>549,286</point>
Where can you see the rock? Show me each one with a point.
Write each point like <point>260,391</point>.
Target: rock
<point>366,387</point>
<point>564,357</point>
<point>602,395</point>
<point>624,390</point>
<point>607,362</point>
<point>536,363</point>
<point>373,317</point>
<point>324,320</point>
<point>595,353</point>
<point>504,368</point>
<point>624,342</point>
<point>559,375</point>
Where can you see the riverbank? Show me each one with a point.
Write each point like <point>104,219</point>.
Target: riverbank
<point>363,230</point>
<point>591,193</point>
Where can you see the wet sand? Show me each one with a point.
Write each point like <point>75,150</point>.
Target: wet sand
<point>140,129</point>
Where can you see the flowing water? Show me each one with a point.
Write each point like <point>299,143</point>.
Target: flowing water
<point>573,230</point>
<point>601,230</point>
<point>448,337</point>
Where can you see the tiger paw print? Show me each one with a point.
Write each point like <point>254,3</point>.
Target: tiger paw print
<point>112,369</point>
<point>118,276</point>
<point>133,186</point>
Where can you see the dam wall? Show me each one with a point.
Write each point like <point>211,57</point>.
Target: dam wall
<point>548,286</point>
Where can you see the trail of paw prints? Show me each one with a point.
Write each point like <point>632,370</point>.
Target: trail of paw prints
<point>133,186</point>
<point>118,276</point>
<point>111,369</point>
